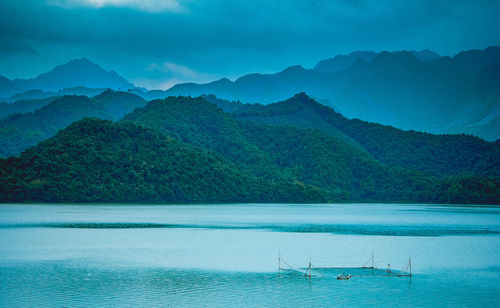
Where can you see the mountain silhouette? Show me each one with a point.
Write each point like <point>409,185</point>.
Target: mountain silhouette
<point>75,73</point>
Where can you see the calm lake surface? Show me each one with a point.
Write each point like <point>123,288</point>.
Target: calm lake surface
<point>227,255</point>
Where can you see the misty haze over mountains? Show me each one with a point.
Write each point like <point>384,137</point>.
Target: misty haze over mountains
<point>407,89</point>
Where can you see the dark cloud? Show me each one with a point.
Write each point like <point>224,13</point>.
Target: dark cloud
<point>229,38</point>
<point>15,46</point>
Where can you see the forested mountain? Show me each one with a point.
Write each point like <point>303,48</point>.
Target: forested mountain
<point>293,151</point>
<point>341,167</point>
<point>200,123</point>
<point>98,161</point>
<point>439,155</point>
<point>408,90</point>
<point>39,94</point>
<point>21,130</point>
<point>118,104</point>
<point>24,106</point>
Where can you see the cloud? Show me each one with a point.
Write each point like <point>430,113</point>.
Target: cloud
<point>167,74</point>
<point>144,5</point>
<point>155,84</point>
<point>16,46</point>
<point>173,69</point>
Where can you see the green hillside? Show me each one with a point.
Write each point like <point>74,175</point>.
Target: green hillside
<point>338,166</point>
<point>98,161</point>
<point>22,130</point>
<point>24,106</point>
<point>184,149</point>
<point>439,155</point>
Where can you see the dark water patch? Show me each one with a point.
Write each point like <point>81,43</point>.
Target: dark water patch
<point>107,225</point>
<point>347,229</point>
<point>351,229</point>
<point>386,230</point>
<point>90,225</point>
<point>487,211</point>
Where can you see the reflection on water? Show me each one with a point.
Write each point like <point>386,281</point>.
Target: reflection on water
<point>227,255</point>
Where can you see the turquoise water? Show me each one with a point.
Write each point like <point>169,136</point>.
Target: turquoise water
<point>227,255</point>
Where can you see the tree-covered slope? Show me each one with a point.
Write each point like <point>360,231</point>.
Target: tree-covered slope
<point>22,130</point>
<point>118,104</point>
<point>200,123</point>
<point>340,168</point>
<point>98,161</point>
<point>184,149</point>
<point>439,155</point>
<point>24,106</point>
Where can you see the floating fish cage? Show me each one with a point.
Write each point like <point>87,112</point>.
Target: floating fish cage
<point>344,273</point>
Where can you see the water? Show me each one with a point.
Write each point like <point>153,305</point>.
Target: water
<point>227,255</point>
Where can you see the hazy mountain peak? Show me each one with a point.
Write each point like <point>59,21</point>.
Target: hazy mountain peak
<point>343,62</point>
<point>471,62</point>
<point>73,68</point>
<point>75,73</point>
<point>302,97</point>
<point>425,55</point>
<point>291,70</point>
<point>82,62</point>
<point>224,81</point>
<point>387,59</point>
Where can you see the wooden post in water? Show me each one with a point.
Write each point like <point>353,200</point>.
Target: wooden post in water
<point>279,261</point>
<point>373,262</point>
<point>308,271</point>
<point>408,268</point>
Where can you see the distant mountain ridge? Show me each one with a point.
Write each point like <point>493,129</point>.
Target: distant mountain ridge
<point>76,73</point>
<point>409,90</point>
<point>343,62</point>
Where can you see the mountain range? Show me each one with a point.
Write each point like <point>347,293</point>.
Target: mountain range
<point>205,149</point>
<point>74,74</point>
<point>439,95</point>
<point>411,90</point>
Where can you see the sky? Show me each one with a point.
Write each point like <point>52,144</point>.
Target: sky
<point>158,43</point>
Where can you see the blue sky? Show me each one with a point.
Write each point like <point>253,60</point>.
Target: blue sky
<point>157,43</point>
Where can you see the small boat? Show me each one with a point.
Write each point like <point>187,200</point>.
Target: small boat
<point>343,277</point>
